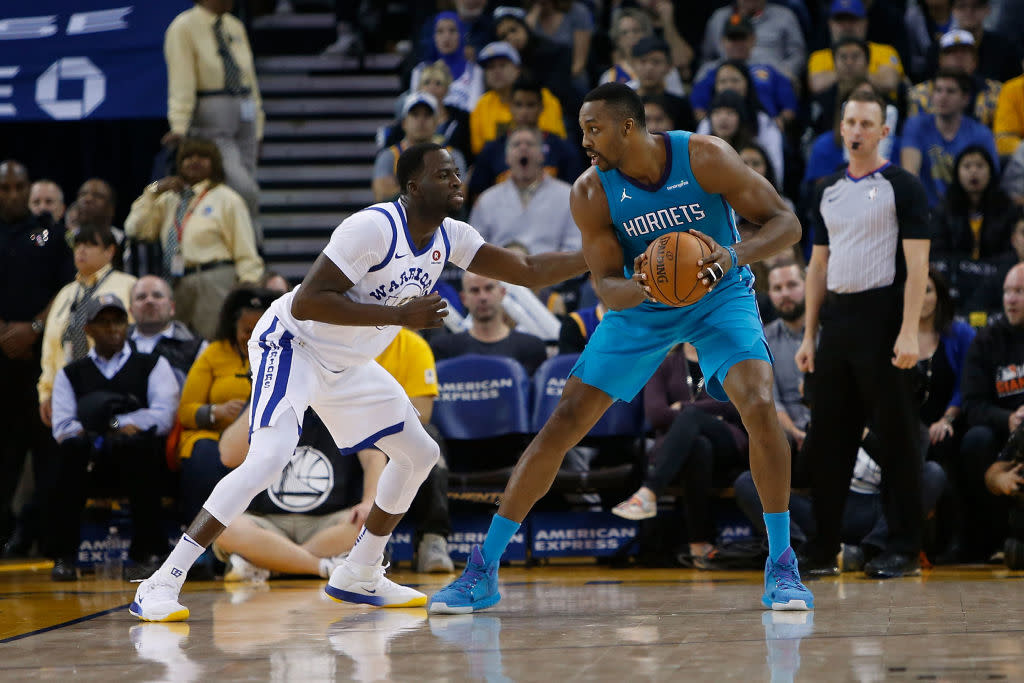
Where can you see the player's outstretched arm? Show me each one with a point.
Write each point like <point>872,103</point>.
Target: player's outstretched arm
<point>600,247</point>
<point>534,270</point>
<point>322,298</point>
<point>719,169</point>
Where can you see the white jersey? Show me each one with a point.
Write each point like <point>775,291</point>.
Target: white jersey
<point>375,252</point>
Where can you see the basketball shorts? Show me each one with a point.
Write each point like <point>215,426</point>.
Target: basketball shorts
<point>628,346</point>
<point>358,404</point>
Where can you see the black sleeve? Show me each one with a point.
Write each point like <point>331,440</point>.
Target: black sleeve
<point>570,339</point>
<point>911,206</point>
<point>442,346</point>
<point>531,351</point>
<point>941,233</point>
<point>978,389</point>
<point>817,222</point>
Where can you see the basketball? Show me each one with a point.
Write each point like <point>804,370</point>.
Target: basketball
<point>671,269</point>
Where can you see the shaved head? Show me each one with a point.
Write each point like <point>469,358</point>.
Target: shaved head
<point>14,189</point>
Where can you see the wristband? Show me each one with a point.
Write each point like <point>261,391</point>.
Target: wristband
<point>732,253</point>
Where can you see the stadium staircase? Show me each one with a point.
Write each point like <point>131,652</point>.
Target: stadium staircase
<point>318,148</point>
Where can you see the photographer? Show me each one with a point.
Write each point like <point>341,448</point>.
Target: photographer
<point>993,390</point>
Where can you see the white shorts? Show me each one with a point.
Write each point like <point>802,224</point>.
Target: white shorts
<point>359,404</point>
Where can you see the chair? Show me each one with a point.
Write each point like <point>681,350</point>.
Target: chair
<point>482,411</point>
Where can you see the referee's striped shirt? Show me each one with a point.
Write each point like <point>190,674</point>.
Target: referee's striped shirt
<point>863,222</point>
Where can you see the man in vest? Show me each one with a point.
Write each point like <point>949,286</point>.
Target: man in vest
<point>155,330</point>
<point>111,411</point>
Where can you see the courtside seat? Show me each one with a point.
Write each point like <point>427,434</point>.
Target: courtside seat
<point>482,411</point>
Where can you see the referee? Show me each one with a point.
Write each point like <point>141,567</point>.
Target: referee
<point>865,285</point>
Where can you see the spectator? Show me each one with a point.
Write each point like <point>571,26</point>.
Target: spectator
<point>205,232</point>
<point>786,280</point>
<point>65,340</point>
<point>419,121</point>
<point>653,69</point>
<point>931,141</point>
<point>848,19</point>
<point>987,299</point>
<point>994,405</point>
<point>999,58</point>
<point>216,389</point>
<point>530,207</point>
<point>694,441</point>
<point>780,40</point>
<point>46,195</point>
<point>452,122</point>
<point>976,217</point>
<point>629,25</point>
<point>1013,179</point>
<point>213,93</point>
<point>543,60</point>
<point>275,282</point>
<point>578,326</point>
<point>155,331</point>
<point>1009,117</point>
<point>466,78</point>
<point>489,334</point>
<point>477,29</point>
<point>560,159</point>
<point>95,204</point>
<point>925,22</point>
<point>958,53</point>
<point>734,121</point>
<point>128,399</point>
<point>492,115</point>
<point>297,525</point>
<point>774,90</point>
<point>657,114</point>
<point>662,16</point>
<point>850,56</point>
<point>754,156</point>
<point>31,251</point>
<point>569,23</point>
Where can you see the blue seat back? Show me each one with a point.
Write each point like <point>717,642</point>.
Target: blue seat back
<point>481,397</point>
<point>621,419</point>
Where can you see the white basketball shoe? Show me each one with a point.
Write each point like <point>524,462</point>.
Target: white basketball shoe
<point>157,600</point>
<point>367,585</point>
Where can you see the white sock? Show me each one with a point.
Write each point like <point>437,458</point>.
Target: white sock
<point>182,558</point>
<point>326,567</point>
<point>369,549</point>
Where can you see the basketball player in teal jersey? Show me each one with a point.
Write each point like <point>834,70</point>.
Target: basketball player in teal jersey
<point>641,186</point>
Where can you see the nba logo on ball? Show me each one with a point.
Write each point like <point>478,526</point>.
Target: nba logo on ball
<point>436,256</point>
<point>305,483</point>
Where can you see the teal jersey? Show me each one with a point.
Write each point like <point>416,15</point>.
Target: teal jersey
<point>642,213</point>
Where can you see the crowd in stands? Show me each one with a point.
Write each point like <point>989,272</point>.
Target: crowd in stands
<point>126,360</point>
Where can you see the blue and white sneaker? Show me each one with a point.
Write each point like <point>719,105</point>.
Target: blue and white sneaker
<point>368,586</point>
<point>782,587</point>
<point>475,590</point>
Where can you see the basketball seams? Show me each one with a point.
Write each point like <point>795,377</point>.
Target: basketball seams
<point>696,283</point>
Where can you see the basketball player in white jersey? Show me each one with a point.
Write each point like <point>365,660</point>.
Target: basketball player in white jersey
<point>316,347</point>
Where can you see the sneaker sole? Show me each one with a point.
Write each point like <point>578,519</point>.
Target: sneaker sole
<point>634,517</point>
<point>339,595</point>
<point>445,608</point>
<point>180,615</point>
<point>791,606</point>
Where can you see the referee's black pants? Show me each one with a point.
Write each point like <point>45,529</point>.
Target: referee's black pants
<point>855,384</point>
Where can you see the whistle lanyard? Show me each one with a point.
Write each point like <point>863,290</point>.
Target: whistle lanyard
<point>179,226</point>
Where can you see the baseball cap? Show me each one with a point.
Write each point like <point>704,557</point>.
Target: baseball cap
<point>649,44</point>
<point>851,7</point>
<point>100,303</point>
<point>506,12</point>
<point>956,38</point>
<point>498,49</point>
<point>738,26</point>
<point>419,98</point>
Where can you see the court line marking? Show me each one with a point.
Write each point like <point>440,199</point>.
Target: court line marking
<point>79,620</point>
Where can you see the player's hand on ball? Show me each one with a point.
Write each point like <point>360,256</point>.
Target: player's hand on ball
<point>639,265</point>
<point>715,265</point>
<point>423,312</point>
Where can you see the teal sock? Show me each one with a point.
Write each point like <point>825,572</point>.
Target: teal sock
<point>777,524</point>
<point>498,537</point>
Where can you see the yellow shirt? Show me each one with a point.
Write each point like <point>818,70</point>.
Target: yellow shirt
<point>1009,122</point>
<point>919,100</point>
<point>193,64</point>
<point>218,229</point>
<point>219,374</point>
<point>410,361</point>
<point>880,55</point>
<point>491,117</point>
<point>55,356</point>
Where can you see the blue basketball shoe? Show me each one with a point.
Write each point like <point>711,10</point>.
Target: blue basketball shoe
<point>782,587</point>
<point>475,590</point>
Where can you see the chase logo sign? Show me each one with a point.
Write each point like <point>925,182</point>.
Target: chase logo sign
<point>68,60</point>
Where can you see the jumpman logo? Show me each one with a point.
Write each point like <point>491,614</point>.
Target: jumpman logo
<point>624,195</point>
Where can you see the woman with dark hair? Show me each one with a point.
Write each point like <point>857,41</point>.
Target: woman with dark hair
<point>976,217</point>
<point>216,388</point>
<point>204,230</point>
<point>943,342</point>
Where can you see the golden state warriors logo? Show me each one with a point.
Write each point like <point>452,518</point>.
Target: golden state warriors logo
<point>305,483</point>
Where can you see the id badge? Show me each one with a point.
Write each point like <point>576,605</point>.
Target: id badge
<point>177,265</point>
<point>248,110</point>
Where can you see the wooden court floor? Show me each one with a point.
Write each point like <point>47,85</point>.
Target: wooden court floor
<point>554,624</point>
